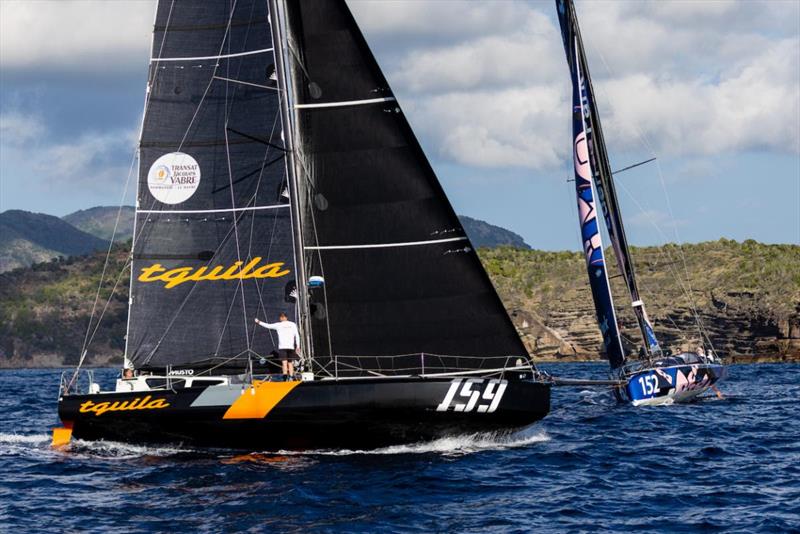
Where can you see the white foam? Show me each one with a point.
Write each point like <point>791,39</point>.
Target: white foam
<point>122,451</point>
<point>24,438</point>
<point>448,446</point>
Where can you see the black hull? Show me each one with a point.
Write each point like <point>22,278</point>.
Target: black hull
<point>354,414</point>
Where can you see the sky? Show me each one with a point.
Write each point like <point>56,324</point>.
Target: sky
<point>709,87</point>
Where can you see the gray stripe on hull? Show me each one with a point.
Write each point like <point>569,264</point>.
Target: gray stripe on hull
<point>218,396</point>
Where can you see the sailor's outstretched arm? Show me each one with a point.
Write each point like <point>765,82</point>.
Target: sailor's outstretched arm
<point>271,326</point>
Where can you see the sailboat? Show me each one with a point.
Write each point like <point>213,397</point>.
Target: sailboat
<point>278,174</point>
<point>657,376</point>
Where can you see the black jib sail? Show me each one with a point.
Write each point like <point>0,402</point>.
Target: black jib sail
<point>601,168</point>
<point>213,244</point>
<point>400,275</point>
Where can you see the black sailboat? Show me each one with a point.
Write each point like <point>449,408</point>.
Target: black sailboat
<point>278,174</point>
<point>657,377</point>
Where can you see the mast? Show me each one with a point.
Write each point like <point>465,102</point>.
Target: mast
<point>585,191</point>
<point>602,174</point>
<point>280,46</point>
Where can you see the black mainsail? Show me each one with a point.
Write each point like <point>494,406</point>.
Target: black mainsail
<point>600,165</point>
<point>213,243</point>
<point>401,277</point>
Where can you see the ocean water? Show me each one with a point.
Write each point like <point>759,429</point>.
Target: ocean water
<point>728,465</point>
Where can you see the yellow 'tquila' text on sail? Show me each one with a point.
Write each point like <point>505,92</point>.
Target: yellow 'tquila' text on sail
<point>180,275</point>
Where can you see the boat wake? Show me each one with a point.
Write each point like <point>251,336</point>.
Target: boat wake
<point>13,444</point>
<point>122,451</point>
<point>449,446</point>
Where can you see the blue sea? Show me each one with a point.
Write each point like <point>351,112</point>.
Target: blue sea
<point>729,465</point>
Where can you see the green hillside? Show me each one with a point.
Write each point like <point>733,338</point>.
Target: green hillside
<point>100,220</point>
<point>747,294</point>
<point>26,238</point>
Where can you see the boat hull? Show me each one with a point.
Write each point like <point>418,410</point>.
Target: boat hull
<point>667,385</point>
<point>358,414</point>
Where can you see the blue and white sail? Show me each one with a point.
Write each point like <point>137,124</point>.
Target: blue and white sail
<point>590,229</point>
<point>600,168</point>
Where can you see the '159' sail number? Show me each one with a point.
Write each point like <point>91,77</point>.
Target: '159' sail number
<point>465,395</point>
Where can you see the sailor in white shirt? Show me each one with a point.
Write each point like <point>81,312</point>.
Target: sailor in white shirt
<point>288,341</point>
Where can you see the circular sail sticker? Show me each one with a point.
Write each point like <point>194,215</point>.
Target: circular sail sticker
<point>173,178</point>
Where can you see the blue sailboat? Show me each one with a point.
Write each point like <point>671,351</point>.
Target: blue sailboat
<point>657,376</point>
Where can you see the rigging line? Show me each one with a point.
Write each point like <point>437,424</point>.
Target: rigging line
<point>108,301</point>
<point>629,167</point>
<point>235,225</point>
<point>670,262</point>
<point>260,170</point>
<point>200,58</point>
<point>258,139</point>
<point>177,312</point>
<point>183,140</point>
<point>241,82</point>
<point>221,210</point>
<point>643,138</point>
<point>222,333</point>
<point>258,287</point>
<point>271,238</point>
<point>108,255</point>
<point>228,110</point>
<point>324,286</point>
<point>150,85</point>
<point>119,211</point>
<point>345,103</point>
<point>387,245</point>
<point>211,80</point>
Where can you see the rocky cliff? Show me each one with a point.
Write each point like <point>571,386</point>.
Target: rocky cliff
<point>745,297</point>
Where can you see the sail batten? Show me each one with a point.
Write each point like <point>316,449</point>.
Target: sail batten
<point>219,56</point>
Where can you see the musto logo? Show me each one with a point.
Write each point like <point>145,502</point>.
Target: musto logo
<point>180,275</point>
<point>173,178</point>
<point>139,403</point>
<point>465,395</point>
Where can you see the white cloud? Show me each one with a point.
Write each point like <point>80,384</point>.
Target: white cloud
<point>498,128</point>
<point>691,78</point>
<point>29,153</point>
<point>75,34</point>
<point>486,83</point>
<point>531,54</point>
<point>752,106</point>
<point>435,21</point>
<point>17,128</point>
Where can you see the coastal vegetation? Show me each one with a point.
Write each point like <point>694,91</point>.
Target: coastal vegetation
<point>747,296</point>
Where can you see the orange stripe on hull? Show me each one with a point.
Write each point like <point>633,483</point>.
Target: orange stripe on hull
<point>257,401</point>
